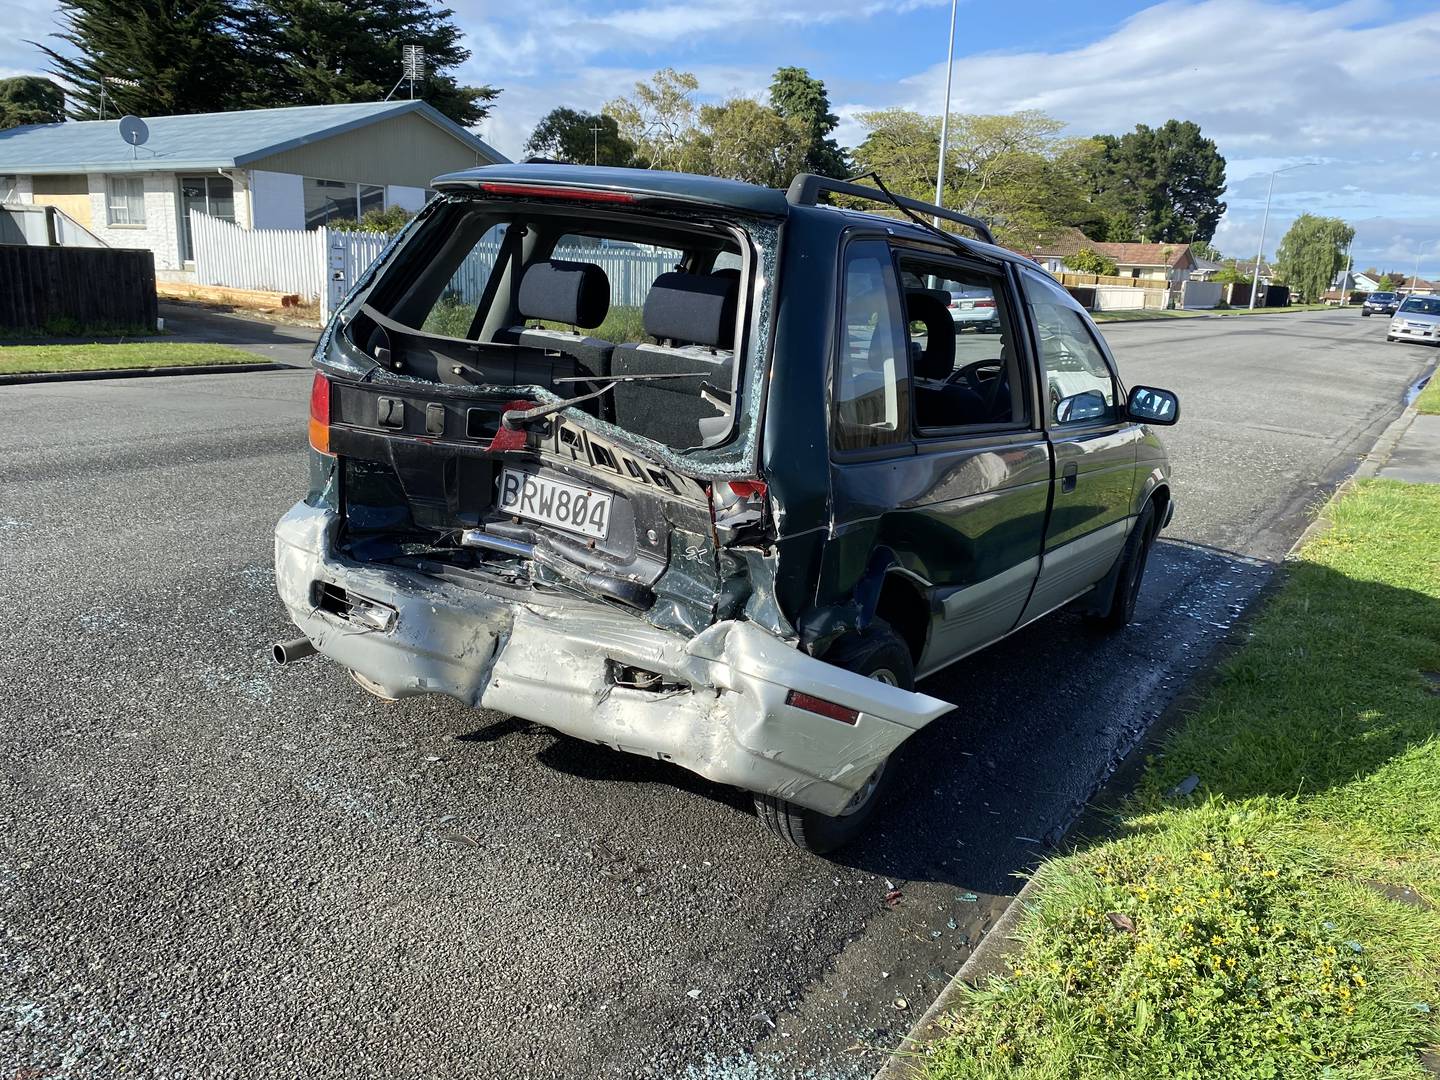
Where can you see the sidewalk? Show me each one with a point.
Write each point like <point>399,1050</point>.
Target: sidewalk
<point>1416,456</point>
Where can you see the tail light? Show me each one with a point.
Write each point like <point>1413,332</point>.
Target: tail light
<point>985,303</point>
<point>320,414</point>
<point>736,504</point>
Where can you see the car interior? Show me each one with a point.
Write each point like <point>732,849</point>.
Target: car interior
<point>959,379</point>
<point>523,301</point>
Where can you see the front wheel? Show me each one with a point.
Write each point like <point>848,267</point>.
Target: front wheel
<point>1364,314</point>
<point>878,653</point>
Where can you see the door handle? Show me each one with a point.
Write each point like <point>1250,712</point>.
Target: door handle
<point>1068,476</point>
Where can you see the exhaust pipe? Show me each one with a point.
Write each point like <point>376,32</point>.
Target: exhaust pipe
<point>287,652</point>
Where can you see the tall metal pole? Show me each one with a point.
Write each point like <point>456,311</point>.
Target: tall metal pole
<point>945,118</point>
<point>1260,254</point>
<point>1415,277</point>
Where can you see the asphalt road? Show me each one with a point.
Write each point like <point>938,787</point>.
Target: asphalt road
<point>213,867</point>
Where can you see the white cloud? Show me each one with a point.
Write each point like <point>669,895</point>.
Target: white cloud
<point>1273,84</point>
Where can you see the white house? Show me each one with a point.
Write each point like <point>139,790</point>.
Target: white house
<point>294,168</point>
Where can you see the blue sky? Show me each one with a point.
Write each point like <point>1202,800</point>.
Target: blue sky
<point>1354,87</point>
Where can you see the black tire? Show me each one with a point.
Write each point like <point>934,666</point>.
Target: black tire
<point>1131,571</point>
<point>1364,314</point>
<point>875,652</point>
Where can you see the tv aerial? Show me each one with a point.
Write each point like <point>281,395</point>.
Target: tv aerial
<point>412,69</point>
<point>135,132</point>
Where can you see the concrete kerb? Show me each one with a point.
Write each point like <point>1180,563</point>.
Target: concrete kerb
<point>989,956</point>
<point>138,373</point>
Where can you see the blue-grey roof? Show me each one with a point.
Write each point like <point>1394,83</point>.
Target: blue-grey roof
<point>688,187</point>
<point>225,140</point>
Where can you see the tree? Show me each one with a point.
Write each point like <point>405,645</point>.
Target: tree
<point>1016,172</point>
<point>191,56</point>
<point>1310,254</point>
<point>1089,261</point>
<point>1202,250</point>
<point>1386,284</point>
<point>29,99</point>
<point>659,118</point>
<point>903,147</point>
<point>158,57</point>
<point>745,140</point>
<point>796,95</point>
<point>328,52</point>
<point>1159,184</point>
<point>1230,274</point>
<point>580,138</point>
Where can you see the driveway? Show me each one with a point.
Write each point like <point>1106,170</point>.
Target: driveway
<point>283,343</point>
<point>211,866</point>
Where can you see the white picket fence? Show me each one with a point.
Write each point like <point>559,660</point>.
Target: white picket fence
<point>271,260</point>
<point>324,264</point>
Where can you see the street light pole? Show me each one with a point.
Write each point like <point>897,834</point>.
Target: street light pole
<point>945,118</point>
<point>1264,222</point>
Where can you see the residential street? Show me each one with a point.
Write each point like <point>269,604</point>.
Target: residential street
<point>213,866</point>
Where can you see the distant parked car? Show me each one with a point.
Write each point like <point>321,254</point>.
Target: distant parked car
<point>974,308</point>
<point>1418,319</point>
<point>1380,303</point>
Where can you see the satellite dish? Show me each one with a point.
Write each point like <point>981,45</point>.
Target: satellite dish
<point>134,130</point>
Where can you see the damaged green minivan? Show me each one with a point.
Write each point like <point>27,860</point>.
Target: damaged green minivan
<point>708,472</point>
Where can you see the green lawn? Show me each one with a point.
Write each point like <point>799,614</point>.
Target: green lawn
<point>1280,921</point>
<point>25,359</point>
<point>1429,399</point>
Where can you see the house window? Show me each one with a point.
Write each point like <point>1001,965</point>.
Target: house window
<point>210,195</point>
<point>125,200</point>
<point>331,200</point>
<point>9,190</point>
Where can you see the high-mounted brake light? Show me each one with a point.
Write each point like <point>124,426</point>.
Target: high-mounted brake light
<point>546,191</point>
<point>320,413</point>
<point>797,699</point>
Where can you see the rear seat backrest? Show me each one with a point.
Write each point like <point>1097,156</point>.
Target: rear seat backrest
<point>695,316</point>
<point>566,292</point>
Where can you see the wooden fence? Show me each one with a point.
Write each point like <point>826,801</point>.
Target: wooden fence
<point>1068,278</point>
<point>46,287</point>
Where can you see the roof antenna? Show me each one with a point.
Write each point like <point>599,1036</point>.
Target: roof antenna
<point>113,80</point>
<point>412,69</point>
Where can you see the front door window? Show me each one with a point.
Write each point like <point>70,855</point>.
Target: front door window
<point>212,195</point>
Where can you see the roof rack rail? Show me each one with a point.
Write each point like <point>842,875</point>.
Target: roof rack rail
<point>806,189</point>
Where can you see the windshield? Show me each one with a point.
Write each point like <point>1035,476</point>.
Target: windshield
<point>646,320</point>
<point>1382,297</point>
<point>1421,305</point>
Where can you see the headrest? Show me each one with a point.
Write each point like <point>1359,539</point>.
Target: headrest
<point>694,308</point>
<point>568,292</point>
<point>932,307</point>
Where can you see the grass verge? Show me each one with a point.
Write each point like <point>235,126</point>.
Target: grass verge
<point>28,359</point>
<point>1280,921</point>
<point>1429,400</point>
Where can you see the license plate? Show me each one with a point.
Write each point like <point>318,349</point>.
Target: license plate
<point>566,506</point>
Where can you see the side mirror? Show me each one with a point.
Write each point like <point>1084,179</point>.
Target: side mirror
<point>1081,407</point>
<point>1150,405</point>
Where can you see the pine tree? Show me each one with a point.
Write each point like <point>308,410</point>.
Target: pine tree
<point>28,99</point>
<point>334,51</point>
<point>157,57</point>
<point>797,95</point>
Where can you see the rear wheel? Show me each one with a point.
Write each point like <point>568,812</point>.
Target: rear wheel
<point>878,653</point>
<point>1131,573</point>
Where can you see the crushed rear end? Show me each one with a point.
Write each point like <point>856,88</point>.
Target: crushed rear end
<point>511,509</point>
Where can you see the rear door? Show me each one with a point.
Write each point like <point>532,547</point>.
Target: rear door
<point>1094,447</point>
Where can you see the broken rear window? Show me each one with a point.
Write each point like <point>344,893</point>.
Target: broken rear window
<point>554,304</point>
